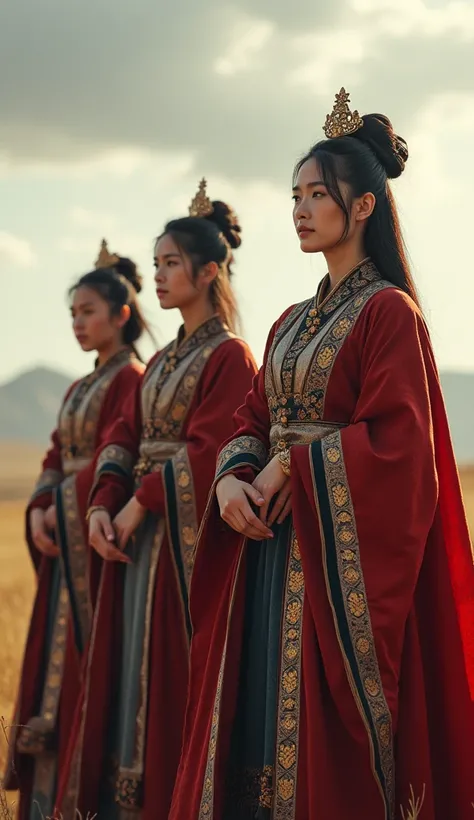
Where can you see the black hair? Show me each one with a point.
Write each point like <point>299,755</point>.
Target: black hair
<point>119,286</point>
<point>366,160</point>
<point>212,239</point>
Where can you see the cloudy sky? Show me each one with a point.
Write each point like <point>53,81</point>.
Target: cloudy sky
<point>111,110</point>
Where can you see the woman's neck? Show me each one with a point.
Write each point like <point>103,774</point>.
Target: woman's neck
<point>340,260</point>
<point>104,355</point>
<point>195,315</point>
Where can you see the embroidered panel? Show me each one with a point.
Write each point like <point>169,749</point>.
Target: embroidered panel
<point>345,578</point>
<point>169,388</point>
<point>289,696</point>
<point>313,356</point>
<point>80,413</point>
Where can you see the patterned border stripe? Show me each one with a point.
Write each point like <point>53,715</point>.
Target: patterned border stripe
<point>289,697</point>
<point>37,736</point>
<point>347,593</point>
<point>249,446</point>
<point>206,809</point>
<point>74,559</point>
<point>114,459</point>
<point>186,510</point>
<point>48,480</point>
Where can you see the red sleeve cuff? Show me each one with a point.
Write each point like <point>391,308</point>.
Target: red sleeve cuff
<point>150,493</point>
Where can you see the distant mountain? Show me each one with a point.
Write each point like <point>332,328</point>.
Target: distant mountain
<point>29,405</point>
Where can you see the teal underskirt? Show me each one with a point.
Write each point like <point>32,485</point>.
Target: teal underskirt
<point>254,734</point>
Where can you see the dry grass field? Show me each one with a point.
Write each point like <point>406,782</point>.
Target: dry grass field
<point>16,577</point>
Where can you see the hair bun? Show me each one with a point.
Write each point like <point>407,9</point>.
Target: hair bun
<point>390,149</point>
<point>226,220</point>
<point>128,269</point>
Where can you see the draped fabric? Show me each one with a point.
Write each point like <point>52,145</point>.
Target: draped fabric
<point>126,740</point>
<point>362,704</point>
<point>66,587</point>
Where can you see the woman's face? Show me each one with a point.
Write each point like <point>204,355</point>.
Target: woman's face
<point>175,286</point>
<point>319,221</point>
<point>93,325</point>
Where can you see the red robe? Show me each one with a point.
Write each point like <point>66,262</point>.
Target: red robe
<point>48,690</point>
<point>376,673</point>
<point>171,431</point>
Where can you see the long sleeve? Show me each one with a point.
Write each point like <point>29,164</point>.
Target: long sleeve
<point>245,453</point>
<point>116,455</point>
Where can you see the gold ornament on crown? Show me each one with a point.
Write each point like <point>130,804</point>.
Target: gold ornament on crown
<point>106,259</point>
<point>201,204</point>
<point>342,121</point>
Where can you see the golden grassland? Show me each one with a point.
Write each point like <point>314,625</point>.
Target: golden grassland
<point>16,576</point>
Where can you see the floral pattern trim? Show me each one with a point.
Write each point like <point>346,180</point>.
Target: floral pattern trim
<point>242,446</point>
<point>308,406</point>
<point>207,337</point>
<point>38,734</point>
<point>80,413</point>
<point>186,510</point>
<point>129,790</point>
<point>289,696</point>
<point>363,670</point>
<point>206,809</point>
<point>118,457</point>
<point>74,559</point>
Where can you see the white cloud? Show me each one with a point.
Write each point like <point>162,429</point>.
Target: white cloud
<point>250,38</point>
<point>15,251</point>
<point>92,220</point>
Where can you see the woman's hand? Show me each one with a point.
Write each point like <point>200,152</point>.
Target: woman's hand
<point>42,541</point>
<point>272,482</point>
<point>233,498</point>
<point>128,520</point>
<point>50,518</point>
<point>102,537</point>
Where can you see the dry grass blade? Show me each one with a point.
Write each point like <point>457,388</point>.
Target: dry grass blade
<point>415,805</point>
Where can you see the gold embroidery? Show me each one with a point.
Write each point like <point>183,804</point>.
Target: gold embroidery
<point>338,313</point>
<point>242,445</point>
<point>357,613</point>
<point>289,690</point>
<point>186,509</point>
<point>37,737</point>
<point>77,550</point>
<point>170,383</point>
<point>80,413</point>
<point>113,454</point>
<point>206,809</point>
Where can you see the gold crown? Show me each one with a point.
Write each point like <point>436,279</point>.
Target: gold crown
<point>106,259</point>
<point>201,204</point>
<point>342,121</point>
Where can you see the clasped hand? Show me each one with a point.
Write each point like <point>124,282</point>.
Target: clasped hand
<point>109,540</point>
<point>235,498</point>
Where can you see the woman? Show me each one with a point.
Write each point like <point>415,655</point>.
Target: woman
<point>106,318</point>
<point>332,651</point>
<point>170,435</point>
